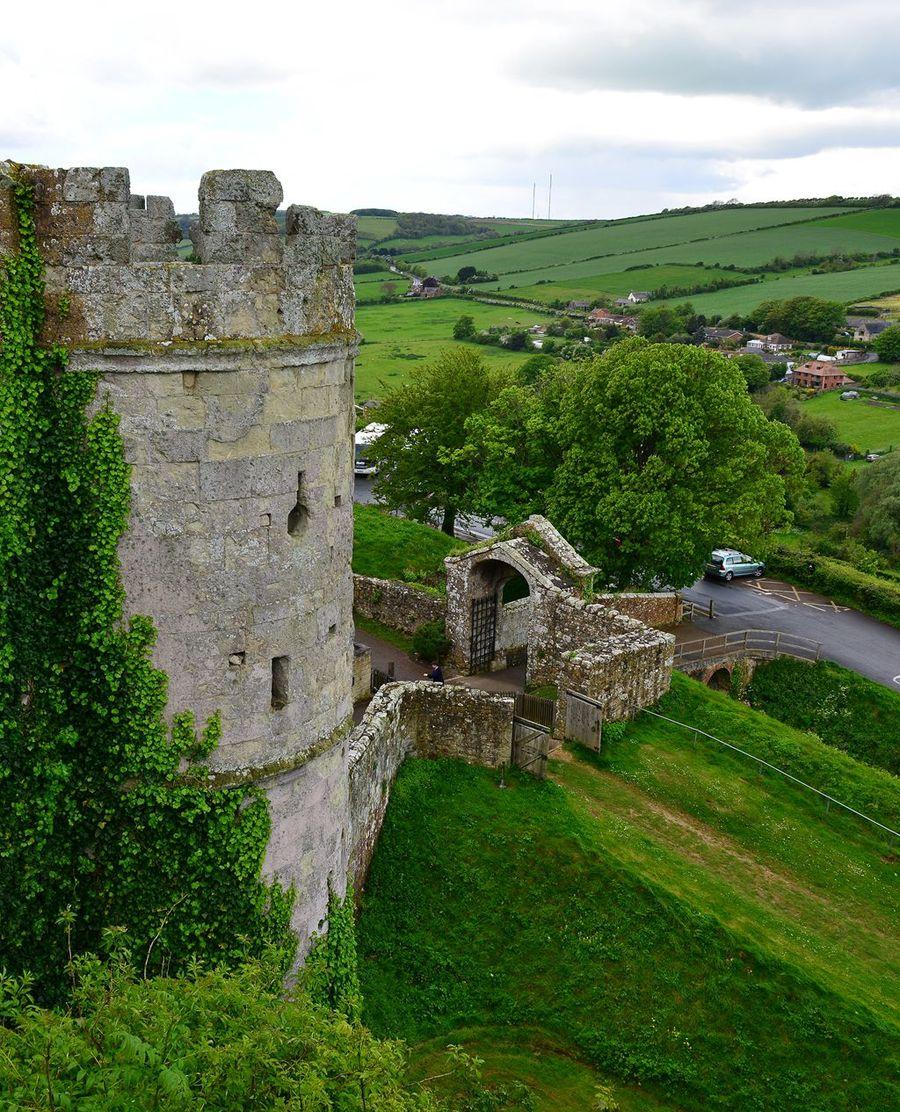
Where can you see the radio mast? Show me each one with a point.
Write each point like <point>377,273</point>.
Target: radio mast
<point>549,194</point>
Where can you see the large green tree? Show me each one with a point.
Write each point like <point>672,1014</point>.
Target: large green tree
<point>888,344</point>
<point>801,318</point>
<point>878,516</point>
<point>420,471</point>
<point>645,458</point>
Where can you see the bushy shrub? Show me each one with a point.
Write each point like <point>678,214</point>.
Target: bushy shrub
<point>430,641</point>
<point>844,709</point>
<point>209,1040</point>
<point>614,731</point>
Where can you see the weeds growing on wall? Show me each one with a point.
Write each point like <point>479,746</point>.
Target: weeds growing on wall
<point>96,815</point>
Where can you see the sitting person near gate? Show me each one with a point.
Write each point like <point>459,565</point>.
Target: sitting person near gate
<point>436,675</point>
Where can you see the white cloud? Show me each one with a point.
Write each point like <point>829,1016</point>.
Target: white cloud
<point>460,106</point>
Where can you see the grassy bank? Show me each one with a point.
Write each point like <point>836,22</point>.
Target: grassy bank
<point>390,547</point>
<point>663,915</point>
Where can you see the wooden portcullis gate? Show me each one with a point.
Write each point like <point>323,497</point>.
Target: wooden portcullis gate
<point>484,632</point>
<point>584,719</point>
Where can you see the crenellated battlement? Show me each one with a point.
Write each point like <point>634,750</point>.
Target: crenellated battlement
<point>113,272</point>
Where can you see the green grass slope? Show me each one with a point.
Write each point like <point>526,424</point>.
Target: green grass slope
<point>394,548</point>
<point>625,237</point>
<point>662,913</point>
<point>870,425</point>
<point>844,285</point>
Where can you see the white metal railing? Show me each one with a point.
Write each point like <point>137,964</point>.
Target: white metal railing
<point>761,644</point>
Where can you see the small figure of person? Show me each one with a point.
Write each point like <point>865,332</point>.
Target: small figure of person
<point>436,675</point>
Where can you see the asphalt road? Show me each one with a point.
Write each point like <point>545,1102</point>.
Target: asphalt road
<point>847,637</point>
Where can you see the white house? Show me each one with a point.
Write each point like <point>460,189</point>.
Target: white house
<point>636,296</point>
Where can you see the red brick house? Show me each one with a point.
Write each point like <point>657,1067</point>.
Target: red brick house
<point>816,375</point>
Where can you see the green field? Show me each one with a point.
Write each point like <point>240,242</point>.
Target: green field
<point>626,238</point>
<point>370,287</point>
<point>883,222</point>
<point>868,426</point>
<point>663,914</point>
<point>846,285</point>
<point>375,227</point>
<point>397,336</point>
<point>621,283</point>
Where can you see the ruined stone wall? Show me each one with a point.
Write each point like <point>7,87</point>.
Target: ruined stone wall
<point>625,673</point>
<point>398,605</point>
<point>416,719</point>
<point>658,609</point>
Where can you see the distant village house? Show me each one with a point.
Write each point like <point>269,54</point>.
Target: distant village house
<point>819,375</point>
<point>720,335</point>
<point>867,329</point>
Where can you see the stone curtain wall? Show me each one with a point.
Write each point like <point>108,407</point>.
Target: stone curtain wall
<point>396,604</point>
<point>658,610</point>
<point>610,657</point>
<point>416,719</point>
<point>111,254</point>
<point>624,673</point>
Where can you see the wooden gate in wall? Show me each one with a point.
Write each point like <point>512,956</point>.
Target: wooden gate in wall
<point>584,719</point>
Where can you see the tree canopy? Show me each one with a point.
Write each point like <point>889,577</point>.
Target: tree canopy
<point>878,516</point>
<point>801,318</point>
<point>419,470</point>
<point>645,458</point>
<point>888,344</point>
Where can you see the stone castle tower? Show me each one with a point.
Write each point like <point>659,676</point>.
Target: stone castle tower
<point>233,377</point>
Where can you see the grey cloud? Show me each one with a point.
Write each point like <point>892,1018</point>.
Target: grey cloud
<point>237,74</point>
<point>832,62</point>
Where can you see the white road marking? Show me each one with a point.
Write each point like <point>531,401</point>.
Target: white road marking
<point>897,680</point>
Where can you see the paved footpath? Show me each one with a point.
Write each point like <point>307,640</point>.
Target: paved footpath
<point>847,637</point>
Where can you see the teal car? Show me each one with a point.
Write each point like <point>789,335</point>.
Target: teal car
<point>726,563</point>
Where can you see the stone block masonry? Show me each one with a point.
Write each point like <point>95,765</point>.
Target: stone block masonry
<point>398,605</point>
<point>233,380</point>
<point>424,720</point>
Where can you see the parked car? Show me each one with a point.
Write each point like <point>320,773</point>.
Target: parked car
<point>849,395</point>
<point>726,563</point>
<point>872,457</point>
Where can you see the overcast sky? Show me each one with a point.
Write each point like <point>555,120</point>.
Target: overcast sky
<point>458,105</point>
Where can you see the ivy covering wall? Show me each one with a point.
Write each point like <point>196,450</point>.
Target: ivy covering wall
<point>103,810</point>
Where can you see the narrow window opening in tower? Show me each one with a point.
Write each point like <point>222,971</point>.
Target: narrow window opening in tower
<point>298,516</point>
<point>281,666</point>
<point>337,500</point>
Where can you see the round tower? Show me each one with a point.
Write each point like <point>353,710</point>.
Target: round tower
<point>232,372</point>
